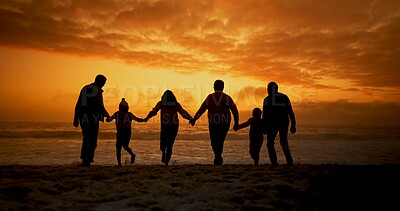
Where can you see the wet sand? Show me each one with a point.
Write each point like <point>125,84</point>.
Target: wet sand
<point>199,187</point>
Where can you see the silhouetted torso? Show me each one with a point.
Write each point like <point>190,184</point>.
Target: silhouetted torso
<point>90,107</point>
<point>218,105</point>
<point>256,127</point>
<point>277,109</point>
<point>169,114</point>
<point>123,120</point>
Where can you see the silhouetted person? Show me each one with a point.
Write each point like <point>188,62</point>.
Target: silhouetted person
<point>123,121</point>
<point>277,110</point>
<point>89,111</point>
<point>170,108</point>
<point>219,106</point>
<point>256,134</point>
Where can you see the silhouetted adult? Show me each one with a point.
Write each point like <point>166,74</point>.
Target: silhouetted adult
<point>219,106</point>
<point>89,111</point>
<point>170,108</point>
<point>277,110</point>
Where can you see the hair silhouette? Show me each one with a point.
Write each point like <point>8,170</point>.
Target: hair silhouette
<point>123,105</point>
<point>168,99</point>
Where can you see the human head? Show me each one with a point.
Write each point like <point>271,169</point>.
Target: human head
<point>123,105</point>
<point>218,85</point>
<point>100,80</point>
<point>257,112</point>
<point>168,99</point>
<point>272,88</point>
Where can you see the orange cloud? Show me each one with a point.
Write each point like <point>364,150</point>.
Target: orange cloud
<point>294,42</point>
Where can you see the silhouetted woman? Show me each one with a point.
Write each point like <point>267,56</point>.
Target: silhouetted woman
<point>170,108</point>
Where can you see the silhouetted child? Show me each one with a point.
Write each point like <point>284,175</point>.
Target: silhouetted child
<point>255,134</point>
<point>123,119</point>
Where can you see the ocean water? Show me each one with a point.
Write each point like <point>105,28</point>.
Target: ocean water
<point>41,143</point>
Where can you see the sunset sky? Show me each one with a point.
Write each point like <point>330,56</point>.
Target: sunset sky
<point>337,60</point>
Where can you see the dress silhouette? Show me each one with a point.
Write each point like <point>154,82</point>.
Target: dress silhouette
<point>170,108</point>
<point>123,121</point>
<point>89,111</point>
<point>219,106</point>
<point>256,135</point>
<point>277,113</point>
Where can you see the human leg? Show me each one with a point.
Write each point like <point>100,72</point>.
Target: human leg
<point>171,135</point>
<point>163,142</point>
<point>85,144</point>
<point>118,153</point>
<point>283,134</point>
<point>125,137</point>
<point>271,146</point>
<point>218,134</point>
<point>167,138</point>
<point>129,150</point>
<point>255,147</point>
<point>93,141</point>
<point>255,157</point>
<point>89,143</point>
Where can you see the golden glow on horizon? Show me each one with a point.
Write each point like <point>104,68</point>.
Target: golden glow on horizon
<point>53,82</point>
<point>146,47</point>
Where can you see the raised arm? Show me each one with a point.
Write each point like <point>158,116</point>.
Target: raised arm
<point>183,112</point>
<point>201,110</point>
<point>154,111</point>
<point>243,125</point>
<point>137,119</point>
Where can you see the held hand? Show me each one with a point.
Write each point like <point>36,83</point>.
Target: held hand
<point>192,122</point>
<point>293,129</point>
<point>235,126</point>
<point>76,123</point>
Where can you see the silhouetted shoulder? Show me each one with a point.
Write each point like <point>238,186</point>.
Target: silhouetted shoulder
<point>277,99</point>
<point>115,114</point>
<point>91,88</point>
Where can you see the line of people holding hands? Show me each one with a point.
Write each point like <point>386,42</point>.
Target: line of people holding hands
<point>274,118</point>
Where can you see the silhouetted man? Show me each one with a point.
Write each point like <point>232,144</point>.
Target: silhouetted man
<point>277,111</point>
<point>219,106</point>
<point>89,110</point>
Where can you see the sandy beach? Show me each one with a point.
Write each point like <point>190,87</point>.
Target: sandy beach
<point>199,187</point>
